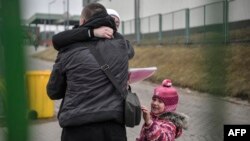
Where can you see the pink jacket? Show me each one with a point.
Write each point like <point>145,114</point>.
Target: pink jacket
<point>166,127</point>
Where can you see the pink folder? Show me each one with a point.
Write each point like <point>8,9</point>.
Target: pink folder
<point>139,74</point>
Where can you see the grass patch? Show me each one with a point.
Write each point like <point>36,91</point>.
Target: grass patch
<point>217,69</point>
<point>238,76</point>
<point>48,54</point>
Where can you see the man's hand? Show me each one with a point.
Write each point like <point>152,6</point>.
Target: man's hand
<point>104,32</point>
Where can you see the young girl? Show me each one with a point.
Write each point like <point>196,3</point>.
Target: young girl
<point>162,123</point>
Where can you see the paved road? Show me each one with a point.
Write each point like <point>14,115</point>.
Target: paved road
<point>207,114</point>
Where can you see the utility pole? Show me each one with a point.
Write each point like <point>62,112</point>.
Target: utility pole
<point>49,21</point>
<point>67,27</point>
<point>137,21</point>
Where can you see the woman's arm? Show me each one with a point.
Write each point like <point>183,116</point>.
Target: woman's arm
<point>80,34</point>
<point>68,37</point>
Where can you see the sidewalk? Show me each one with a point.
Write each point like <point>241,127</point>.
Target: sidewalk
<point>207,114</point>
<point>205,123</point>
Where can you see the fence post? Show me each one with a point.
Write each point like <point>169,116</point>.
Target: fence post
<point>204,40</point>
<point>11,37</point>
<point>160,29</point>
<point>225,20</point>
<point>123,30</point>
<point>131,25</point>
<point>1,44</point>
<point>172,32</point>
<point>149,24</point>
<point>187,11</point>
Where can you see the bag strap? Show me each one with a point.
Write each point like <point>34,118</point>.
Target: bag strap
<point>105,68</point>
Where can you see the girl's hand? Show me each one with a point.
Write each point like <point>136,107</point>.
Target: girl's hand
<point>104,32</point>
<point>146,115</point>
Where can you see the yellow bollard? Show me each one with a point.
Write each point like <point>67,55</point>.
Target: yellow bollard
<point>39,102</point>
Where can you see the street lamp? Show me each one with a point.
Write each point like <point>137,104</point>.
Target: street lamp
<point>67,27</point>
<point>66,15</point>
<point>49,21</point>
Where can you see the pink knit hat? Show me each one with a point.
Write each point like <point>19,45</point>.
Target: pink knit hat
<point>167,94</point>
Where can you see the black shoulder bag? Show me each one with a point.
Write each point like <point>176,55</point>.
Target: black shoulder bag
<point>132,107</point>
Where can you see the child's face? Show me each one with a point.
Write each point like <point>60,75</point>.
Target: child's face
<point>157,106</point>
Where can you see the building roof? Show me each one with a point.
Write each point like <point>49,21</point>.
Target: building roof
<point>52,19</point>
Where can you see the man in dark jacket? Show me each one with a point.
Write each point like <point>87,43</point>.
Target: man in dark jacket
<point>83,34</point>
<point>92,109</point>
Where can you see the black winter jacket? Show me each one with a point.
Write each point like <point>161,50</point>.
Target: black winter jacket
<point>88,95</point>
<point>80,34</point>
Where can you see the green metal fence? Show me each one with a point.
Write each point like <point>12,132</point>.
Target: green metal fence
<point>204,24</point>
<point>237,32</point>
<point>128,29</point>
<point>12,71</point>
<point>150,29</point>
<point>173,27</point>
<point>207,24</point>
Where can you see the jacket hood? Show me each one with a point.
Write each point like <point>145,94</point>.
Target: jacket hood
<point>179,119</point>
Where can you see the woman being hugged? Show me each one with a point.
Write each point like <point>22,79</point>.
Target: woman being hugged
<point>162,123</point>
